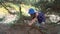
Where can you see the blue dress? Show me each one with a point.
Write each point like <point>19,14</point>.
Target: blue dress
<point>41,17</point>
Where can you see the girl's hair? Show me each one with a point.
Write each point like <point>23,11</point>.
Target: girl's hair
<point>34,15</point>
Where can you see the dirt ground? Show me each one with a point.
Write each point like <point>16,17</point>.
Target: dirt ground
<point>51,29</point>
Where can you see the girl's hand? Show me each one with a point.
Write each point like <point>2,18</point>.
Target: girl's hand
<point>30,24</point>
